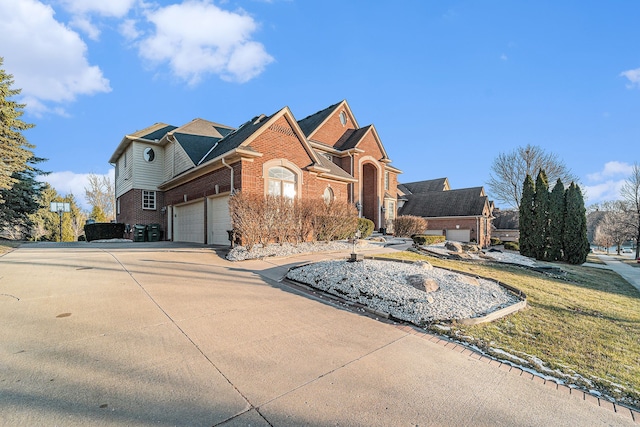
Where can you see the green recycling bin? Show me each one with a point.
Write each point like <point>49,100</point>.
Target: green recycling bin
<point>139,232</point>
<point>153,232</point>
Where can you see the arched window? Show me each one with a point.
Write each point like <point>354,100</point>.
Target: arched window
<point>327,196</point>
<point>282,182</point>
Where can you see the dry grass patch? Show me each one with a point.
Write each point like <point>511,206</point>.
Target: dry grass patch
<point>7,245</point>
<point>583,328</point>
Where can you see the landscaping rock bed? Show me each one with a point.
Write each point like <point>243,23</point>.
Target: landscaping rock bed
<point>383,286</point>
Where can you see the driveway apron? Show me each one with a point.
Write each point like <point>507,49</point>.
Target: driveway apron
<point>114,335</point>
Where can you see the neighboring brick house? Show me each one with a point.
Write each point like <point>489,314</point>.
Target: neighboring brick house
<point>506,225</point>
<point>182,177</point>
<point>462,215</point>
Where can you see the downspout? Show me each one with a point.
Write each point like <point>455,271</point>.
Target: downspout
<point>353,175</point>
<point>230,168</point>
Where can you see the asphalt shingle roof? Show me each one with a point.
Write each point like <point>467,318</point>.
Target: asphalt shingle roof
<point>424,186</point>
<point>196,146</point>
<point>158,134</point>
<point>334,169</point>
<point>310,123</point>
<point>236,138</point>
<point>463,202</point>
<point>506,220</point>
<point>351,138</point>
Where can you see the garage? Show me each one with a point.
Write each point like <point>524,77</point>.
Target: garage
<point>219,220</point>
<point>188,222</point>
<point>459,235</point>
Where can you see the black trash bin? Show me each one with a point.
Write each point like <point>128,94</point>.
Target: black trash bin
<point>139,232</point>
<point>153,232</point>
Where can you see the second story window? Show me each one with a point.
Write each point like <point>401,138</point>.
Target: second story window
<point>386,180</point>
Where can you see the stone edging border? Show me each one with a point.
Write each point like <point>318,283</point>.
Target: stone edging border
<point>626,412</point>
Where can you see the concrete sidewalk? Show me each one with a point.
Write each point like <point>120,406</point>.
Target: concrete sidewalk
<point>123,335</point>
<point>630,274</point>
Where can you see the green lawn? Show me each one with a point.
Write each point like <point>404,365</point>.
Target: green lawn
<point>584,328</point>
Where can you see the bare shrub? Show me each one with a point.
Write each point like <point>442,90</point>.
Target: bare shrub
<point>260,219</point>
<point>408,225</point>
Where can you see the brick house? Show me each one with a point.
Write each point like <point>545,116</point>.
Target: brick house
<point>182,177</point>
<point>462,215</point>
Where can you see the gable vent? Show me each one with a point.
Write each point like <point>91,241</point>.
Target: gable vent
<point>282,129</point>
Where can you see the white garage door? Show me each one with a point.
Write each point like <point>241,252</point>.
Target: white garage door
<point>219,220</point>
<point>188,223</point>
<point>459,235</point>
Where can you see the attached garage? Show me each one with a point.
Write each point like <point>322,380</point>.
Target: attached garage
<point>459,235</point>
<point>188,222</point>
<point>218,221</point>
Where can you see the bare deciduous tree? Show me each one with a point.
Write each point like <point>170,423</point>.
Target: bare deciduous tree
<point>509,171</point>
<point>101,194</point>
<point>630,193</point>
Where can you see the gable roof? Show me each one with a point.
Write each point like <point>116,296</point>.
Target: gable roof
<point>462,202</point>
<point>236,138</point>
<point>506,220</point>
<point>351,138</point>
<point>439,184</point>
<point>196,146</point>
<point>159,133</point>
<point>151,133</point>
<point>312,122</point>
<point>203,127</point>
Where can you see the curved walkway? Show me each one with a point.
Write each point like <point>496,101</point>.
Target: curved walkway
<point>136,335</point>
<point>630,274</point>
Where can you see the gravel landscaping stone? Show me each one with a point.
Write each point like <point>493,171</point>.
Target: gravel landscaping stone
<point>382,286</point>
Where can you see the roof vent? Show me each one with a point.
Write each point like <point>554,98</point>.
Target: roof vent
<point>259,118</point>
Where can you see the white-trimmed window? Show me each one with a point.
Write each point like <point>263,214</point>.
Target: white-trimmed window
<point>391,209</point>
<point>148,200</point>
<point>386,180</point>
<point>282,182</point>
<point>343,118</point>
<point>328,196</point>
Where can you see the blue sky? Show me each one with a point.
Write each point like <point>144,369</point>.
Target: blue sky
<point>449,85</point>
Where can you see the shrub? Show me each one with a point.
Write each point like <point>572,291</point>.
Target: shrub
<point>409,225</point>
<point>512,246</point>
<point>495,241</point>
<point>423,239</point>
<point>260,219</point>
<point>104,230</point>
<point>365,226</point>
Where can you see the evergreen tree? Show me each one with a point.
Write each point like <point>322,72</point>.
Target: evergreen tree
<point>526,219</point>
<point>21,201</point>
<point>540,229</point>
<point>15,151</point>
<point>556,221</point>
<point>576,245</point>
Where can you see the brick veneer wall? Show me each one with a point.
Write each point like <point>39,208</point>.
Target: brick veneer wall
<point>333,129</point>
<point>465,224</point>
<point>205,185</point>
<point>131,211</point>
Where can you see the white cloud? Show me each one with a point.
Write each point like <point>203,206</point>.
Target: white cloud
<point>608,190</point>
<point>128,29</point>
<point>633,76</point>
<point>47,59</point>
<point>611,170</point>
<point>110,8</point>
<point>84,24</point>
<point>197,38</point>
<point>68,182</point>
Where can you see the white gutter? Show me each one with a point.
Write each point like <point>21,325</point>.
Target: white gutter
<point>231,168</point>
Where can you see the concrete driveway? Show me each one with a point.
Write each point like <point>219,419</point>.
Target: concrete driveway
<point>165,334</point>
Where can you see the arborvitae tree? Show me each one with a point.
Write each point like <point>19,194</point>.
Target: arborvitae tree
<point>526,219</point>
<point>540,229</point>
<point>576,245</point>
<point>556,221</point>
<point>15,151</point>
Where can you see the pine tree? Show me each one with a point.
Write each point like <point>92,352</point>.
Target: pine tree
<point>526,219</point>
<point>21,201</point>
<point>576,244</point>
<point>556,221</point>
<point>540,229</point>
<point>15,151</point>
